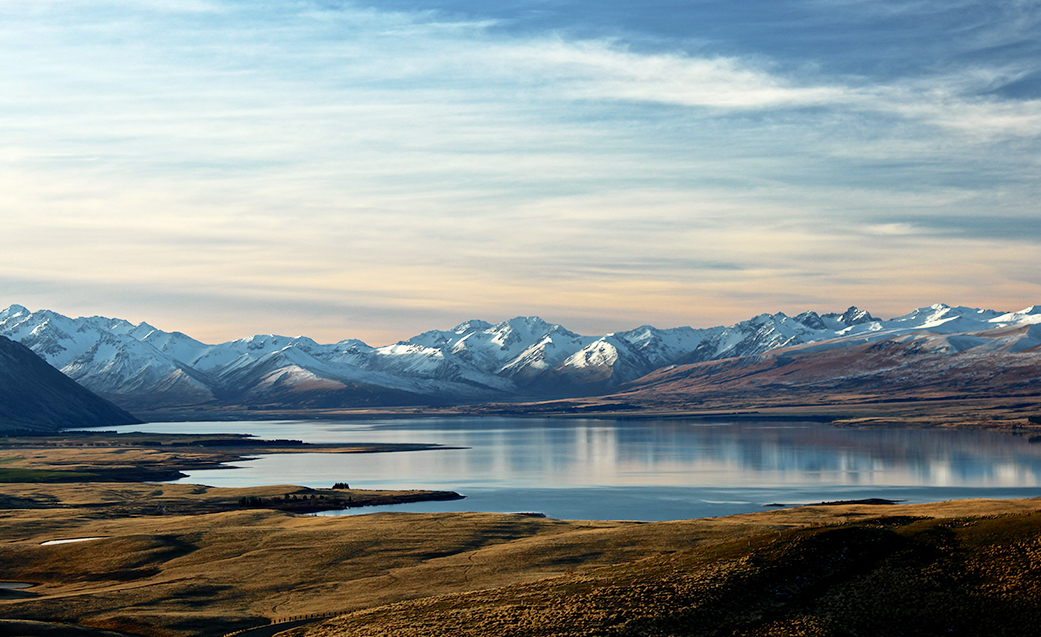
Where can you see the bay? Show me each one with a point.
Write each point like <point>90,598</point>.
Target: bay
<point>635,469</point>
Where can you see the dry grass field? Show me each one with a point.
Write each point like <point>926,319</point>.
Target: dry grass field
<point>495,574</point>
<point>894,575</point>
<point>171,560</point>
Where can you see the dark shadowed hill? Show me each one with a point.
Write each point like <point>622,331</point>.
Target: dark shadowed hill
<point>36,397</point>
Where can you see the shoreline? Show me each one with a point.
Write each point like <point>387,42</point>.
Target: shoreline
<point>104,456</point>
<point>1009,414</point>
<point>260,556</point>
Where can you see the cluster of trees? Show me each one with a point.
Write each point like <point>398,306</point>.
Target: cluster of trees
<point>290,502</point>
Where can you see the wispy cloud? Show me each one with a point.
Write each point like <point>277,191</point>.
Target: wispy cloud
<point>421,164</point>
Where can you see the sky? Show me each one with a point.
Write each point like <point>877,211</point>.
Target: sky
<point>376,169</point>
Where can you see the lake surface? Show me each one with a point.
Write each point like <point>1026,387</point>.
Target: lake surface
<point>635,470</point>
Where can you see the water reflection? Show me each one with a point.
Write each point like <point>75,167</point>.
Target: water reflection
<point>720,464</point>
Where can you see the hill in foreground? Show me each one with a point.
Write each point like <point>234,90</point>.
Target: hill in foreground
<point>847,569</point>
<point>896,575</point>
<point>37,397</point>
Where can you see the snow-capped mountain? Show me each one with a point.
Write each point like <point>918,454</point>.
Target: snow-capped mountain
<point>139,366</point>
<point>767,332</point>
<point>111,357</point>
<point>914,359</point>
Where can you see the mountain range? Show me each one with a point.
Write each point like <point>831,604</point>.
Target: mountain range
<point>983,375</point>
<point>522,359</point>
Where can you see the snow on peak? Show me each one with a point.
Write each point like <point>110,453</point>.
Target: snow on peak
<point>1027,316</point>
<point>856,316</point>
<point>599,353</point>
<point>642,333</point>
<point>473,358</point>
<point>524,324</point>
<point>15,310</point>
<point>472,325</point>
<point>811,320</point>
<point>940,317</point>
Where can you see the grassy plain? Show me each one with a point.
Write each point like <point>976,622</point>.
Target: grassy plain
<point>495,574</point>
<point>179,560</point>
<point>903,574</point>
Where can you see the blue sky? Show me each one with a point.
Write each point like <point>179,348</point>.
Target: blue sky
<point>372,170</point>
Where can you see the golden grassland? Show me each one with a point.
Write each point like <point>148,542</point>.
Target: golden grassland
<point>914,575</point>
<point>178,560</point>
<point>497,574</point>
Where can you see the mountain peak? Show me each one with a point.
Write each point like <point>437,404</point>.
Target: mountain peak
<point>533,321</point>
<point>811,320</point>
<point>856,316</point>
<point>36,396</point>
<point>525,325</point>
<point>16,310</point>
<point>471,326</point>
<point>476,360</point>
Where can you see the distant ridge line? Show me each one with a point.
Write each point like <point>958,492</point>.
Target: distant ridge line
<point>522,359</point>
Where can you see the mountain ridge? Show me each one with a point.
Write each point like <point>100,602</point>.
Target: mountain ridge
<point>524,358</point>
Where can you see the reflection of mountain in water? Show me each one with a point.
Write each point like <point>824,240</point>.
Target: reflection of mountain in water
<point>546,453</point>
<point>879,456</point>
<point>616,469</point>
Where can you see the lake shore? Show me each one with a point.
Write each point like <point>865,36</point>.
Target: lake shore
<point>1009,413</point>
<point>185,560</point>
<point>88,456</point>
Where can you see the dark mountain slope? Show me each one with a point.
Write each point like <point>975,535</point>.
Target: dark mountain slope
<point>36,397</point>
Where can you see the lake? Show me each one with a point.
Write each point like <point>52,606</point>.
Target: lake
<point>635,469</point>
